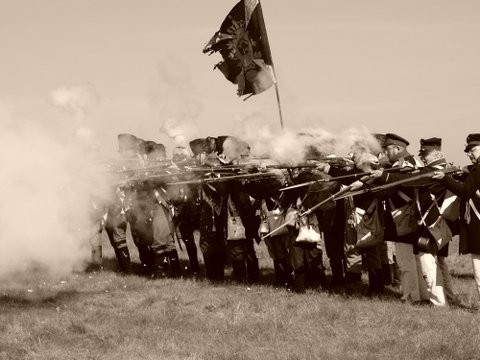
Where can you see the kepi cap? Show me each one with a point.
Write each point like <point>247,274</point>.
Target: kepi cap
<point>433,143</point>
<point>472,141</point>
<point>394,139</point>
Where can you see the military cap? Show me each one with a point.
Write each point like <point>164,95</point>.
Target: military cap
<point>149,146</point>
<point>433,143</point>
<point>394,139</point>
<point>197,146</point>
<point>180,153</point>
<point>127,142</point>
<point>380,138</point>
<point>157,151</point>
<point>219,140</point>
<point>141,146</point>
<point>472,141</point>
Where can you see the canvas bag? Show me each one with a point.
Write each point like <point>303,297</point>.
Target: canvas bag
<point>439,229</point>
<point>309,231</point>
<point>450,208</point>
<point>368,226</point>
<point>235,228</point>
<point>404,216</point>
<point>273,219</point>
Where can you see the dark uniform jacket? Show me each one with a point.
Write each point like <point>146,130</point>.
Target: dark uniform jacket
<point>468,191</point>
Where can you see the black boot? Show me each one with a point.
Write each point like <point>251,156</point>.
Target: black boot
<point>337,273</point>
<point>146,259</point>
<point>253,270</point>
<point>174,264</point>
<point>160,266</point>
<point>299,281</point>
<point>287,271</point>
<point>239,271</point>
<point>214,267</point>
<point>386,275</point>
<point>192,256</point>
<point>123,258</point>
<point>279,274</point>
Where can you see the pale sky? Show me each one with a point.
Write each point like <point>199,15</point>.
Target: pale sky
<point>408,66</point>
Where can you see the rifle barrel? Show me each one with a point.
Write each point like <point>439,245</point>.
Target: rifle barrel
<point>223,178</point>
<point>347,176</point>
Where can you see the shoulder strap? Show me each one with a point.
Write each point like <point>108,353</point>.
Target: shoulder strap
<point>474,208</point>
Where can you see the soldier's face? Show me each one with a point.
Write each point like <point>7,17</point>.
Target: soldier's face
<point>392,151</point>
<point>474,154</point>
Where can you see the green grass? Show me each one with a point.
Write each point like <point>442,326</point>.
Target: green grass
<point>107,316</point>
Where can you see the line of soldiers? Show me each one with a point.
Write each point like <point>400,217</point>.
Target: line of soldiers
<point>399,234</point>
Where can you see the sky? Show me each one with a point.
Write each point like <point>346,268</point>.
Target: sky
<point>409,67</point>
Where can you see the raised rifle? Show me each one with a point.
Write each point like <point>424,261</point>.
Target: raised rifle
<point>353,176</point>
<point>332,197</point>
<point>410,179</point>
<point>257,175</point>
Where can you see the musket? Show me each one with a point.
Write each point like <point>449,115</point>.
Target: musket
<point>335,178</point>
<point>426,175</point>
<point>332,197</point>
<point>285,166</point>
<point>225,178</point>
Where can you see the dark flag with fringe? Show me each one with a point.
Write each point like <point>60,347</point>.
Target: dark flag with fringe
<point>242,41</point>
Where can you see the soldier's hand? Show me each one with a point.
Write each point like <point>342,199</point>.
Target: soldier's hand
<point>325,167</point>
<point>356,185</point>
<point>376,173</point>
<point>439,175</point>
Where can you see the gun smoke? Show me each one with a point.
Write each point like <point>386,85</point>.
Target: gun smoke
<point>48,178</point>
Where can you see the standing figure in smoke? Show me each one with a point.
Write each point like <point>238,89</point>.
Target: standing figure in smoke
<point>116,223</point>
<point>212,203</point>
<point>151,221</point>
<point>185,199</point>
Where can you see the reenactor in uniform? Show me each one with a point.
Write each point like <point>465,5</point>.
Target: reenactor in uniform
<point>116,223</point>
<point>185,200</point>
<point>468,189</point>
<point>405,238</point>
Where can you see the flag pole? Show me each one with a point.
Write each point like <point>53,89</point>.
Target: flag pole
<point>268,56</point>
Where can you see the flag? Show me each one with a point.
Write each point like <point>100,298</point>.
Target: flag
<point>242,41</point>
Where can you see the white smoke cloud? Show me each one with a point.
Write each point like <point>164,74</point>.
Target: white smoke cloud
<point>175,101</point>
<point>76,99</point>
<point>294,147</point>
<point>48,177</point>
<point>179,131</point>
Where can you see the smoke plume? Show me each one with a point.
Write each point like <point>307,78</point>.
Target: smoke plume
<point>294,147</point>
<point>49,177</point>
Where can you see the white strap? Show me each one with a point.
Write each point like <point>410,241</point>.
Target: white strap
<point>472,205</point>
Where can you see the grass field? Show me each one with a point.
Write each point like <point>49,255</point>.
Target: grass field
<point>107,316</point>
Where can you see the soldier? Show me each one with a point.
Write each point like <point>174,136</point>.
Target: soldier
<point>403,233</point>
<point>368,255</point>
<point>116,224</point>
<point>433,260</point>
<point>468,189</point>
<point>212,201</point>
<point>185,199</point>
